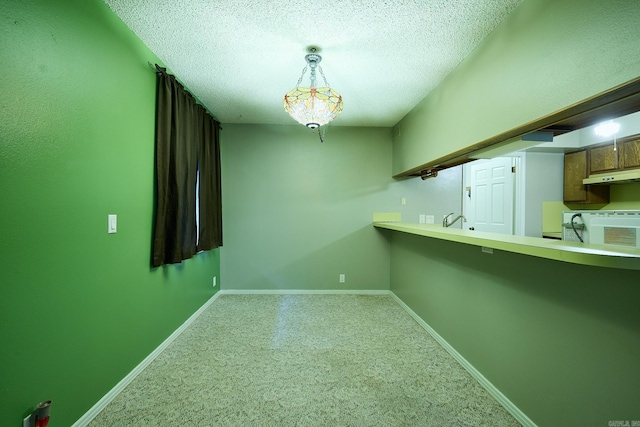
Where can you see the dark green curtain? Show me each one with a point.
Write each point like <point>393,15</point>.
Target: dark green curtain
<point>186,140</point>
<point>210,191</point>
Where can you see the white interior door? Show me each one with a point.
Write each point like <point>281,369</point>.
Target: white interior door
<point>490,197</point>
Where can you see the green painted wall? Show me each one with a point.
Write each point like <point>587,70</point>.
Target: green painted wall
<point>79,308</point>
<point>561,341</point>
<point>624,196</point>
<point>547,55</point>
<point>298,212</point>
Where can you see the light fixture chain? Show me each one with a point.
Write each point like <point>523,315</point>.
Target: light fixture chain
<point>326,83</point>
<point>304,70</point>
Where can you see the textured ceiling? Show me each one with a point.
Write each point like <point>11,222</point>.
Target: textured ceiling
<point>240,57</point>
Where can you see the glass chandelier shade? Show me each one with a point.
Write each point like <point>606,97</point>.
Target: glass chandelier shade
<point>313,106</point>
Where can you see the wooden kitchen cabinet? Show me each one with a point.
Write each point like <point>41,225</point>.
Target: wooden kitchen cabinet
<point>630,155</point>
<point>603,158</point>
<point>576,168</point>
<point>596,159</point>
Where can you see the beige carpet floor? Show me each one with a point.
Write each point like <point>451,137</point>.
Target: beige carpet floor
<point>304,360</point>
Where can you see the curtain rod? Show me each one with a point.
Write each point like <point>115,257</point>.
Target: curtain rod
<point>160,70</point>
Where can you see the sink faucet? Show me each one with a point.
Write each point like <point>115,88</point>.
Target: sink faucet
<point>446,223</point>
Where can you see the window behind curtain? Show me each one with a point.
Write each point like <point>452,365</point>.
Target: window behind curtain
<point>187,151</point>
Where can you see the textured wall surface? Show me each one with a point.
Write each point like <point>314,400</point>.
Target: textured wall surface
<point>298,212</point>
<point>546,56</point>
<point>79,308</point>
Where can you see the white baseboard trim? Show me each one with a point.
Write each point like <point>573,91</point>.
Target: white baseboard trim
<point>102,403</point>
<point>302,291</point>
<point>485,383</point>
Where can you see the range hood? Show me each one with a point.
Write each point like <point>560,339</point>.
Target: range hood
<point>618,177</point>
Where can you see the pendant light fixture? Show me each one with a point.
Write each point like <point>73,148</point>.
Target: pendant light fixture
<point>313,106</point>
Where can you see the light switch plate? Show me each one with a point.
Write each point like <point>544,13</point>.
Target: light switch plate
<point>112,224</point>
<point>29,421</point>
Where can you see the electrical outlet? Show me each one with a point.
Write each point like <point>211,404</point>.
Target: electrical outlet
<point>343,278</point>
<point>215,280</point>
<point>422,219</point>
<point>428,219</point>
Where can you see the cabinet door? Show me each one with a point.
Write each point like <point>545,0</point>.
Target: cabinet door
<point>630,156</point>
<point>603,159</point>
<point>575,170</point>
